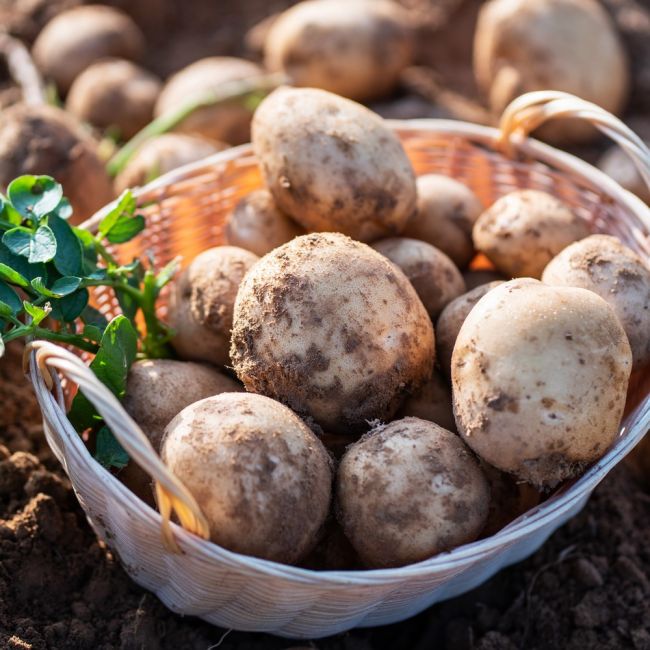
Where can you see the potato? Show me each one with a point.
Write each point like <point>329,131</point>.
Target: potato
<point>433,275</point>
<point>114,93</point>
<point>257,224</point>
<point>445,215</point>
<point>524,230</point>
<point>432,402</point>
<point>81,36</point>
<point>46,140</point>
<point>409,490</point>
<point>526,45</point>
<point>451,320</point>
<point>603,265</point>
<point>617,164</point>
<point>333,330</point>
<point>201,305</point>
<point>539,379</point>
<point>332,553</point>
<point>162,154</point>
<point>354,49</point>
<point>227,122</point>
<point>476,277</point>
<point>333,165</point>
<point>260,476</point>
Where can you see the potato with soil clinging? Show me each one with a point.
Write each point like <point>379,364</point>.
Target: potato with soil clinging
<point>333,165</point>
<point>445,216</point>
<point>526,45</point>
<point>433,275</point>
<point>522,231</point>
<point>81,36</point>
<point>432,402</point>
<point>409,490</point>
<point>201,305</point>
<point>451,320</point>
<point>162,154</point>
<point>354,49</point>
<point>114,93</point>
<point>260,476</point>
<point>333,330</point>
<point>226,122</point>
<point>539,378</point>
<point>258,225</point>
<point>602,264</point>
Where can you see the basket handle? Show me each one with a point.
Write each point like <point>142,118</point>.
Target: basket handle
<point>526,113</point>
<point>172,495</point>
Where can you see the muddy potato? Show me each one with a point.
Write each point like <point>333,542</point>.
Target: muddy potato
<point>602,264</point>
<point>433,275</point>
<point>46,140</point>
<point>162,154</point>
<point>539,379</point>
<point>258,225</point>
<point>333,165</point>
<point>227,122</point>
<point>114,93</point>
<point>526,45</point>
<point>522,231</point>
<point>261,477</point>
<point>445,215</point>
<point>432,402</point>
<point>476,277</point>
<point>332,329</point>
<point>451,320</point>
<point>354,49</point>
<point>201,304</point>
<point>409,490</point>
<point>81,36</point>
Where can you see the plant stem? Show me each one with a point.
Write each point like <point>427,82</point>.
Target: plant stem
<point>60,337</point>
<point>103,251</point>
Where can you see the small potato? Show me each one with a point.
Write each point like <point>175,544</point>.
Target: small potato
<point>162,154</point>
<point>354,49</point>
<point>114,94</point>
<point>432,402</point>
<point>409,490</point>
<point>433,275</point>
<point>445,216</point>
<point>333,165</point>
<point>524,230</point>
<point>227,122</point>
<point>79,37</point>
<point>476,277</point>
<point>331,328</point>
<point>451,320</point>
<point>201,305</point>
<point>260,476</point>
<point>257,224</point>
<point>617,164</point>
<point>603,265</point>
<point>539,379</point>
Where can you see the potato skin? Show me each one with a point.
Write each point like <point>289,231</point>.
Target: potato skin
<point>79,37</point>
<point>526,45</point>
<point>431,402</point>
<point>522,231</point>
<point>229,122</point>
<point>257,224</point>
<point>445,216</point>
<point>602,264</point>
<point>476,277</point>
<point>333,165</point>
<point>433,275</point>
<point>539,379</point>
<point>201,305</point>
<point>261,477</point>
<point>409,490</point>
<point>331,328</point>
<point>451,320</point>
<point>356,50</point>
<point>114,93</point>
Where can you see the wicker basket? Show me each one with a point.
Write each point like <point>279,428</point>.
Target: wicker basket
<point>185,211</point>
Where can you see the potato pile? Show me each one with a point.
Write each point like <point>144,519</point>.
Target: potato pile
<point>365,405</point>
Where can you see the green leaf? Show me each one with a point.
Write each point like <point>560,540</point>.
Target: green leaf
<point>126,229</point>
<point>92,316</point>
<point>18,241</point>
<point>35,196</point>
<point>13,277</point>
<point>167,273</point>
<point>125,207</point>
<point>10,214</point>
<point>89,249</point>
<point>70,307</point>
<point>43,245</point>
<point>69,249</point>
<point>63,210</point>
<point>20,265</point>
<point>93,333</point>
<point>37,313</point>
<point>108,450</point>
<point>5,310</point>
<point>9,297</point>
<point>62,287</point>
